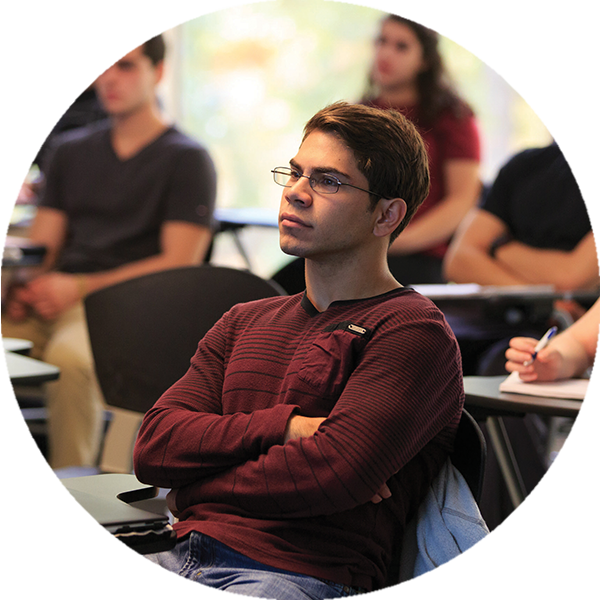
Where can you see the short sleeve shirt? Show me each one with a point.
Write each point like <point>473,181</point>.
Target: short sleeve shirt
<point>116,208</point>
<point>535,194</point>
<point>449,137</point>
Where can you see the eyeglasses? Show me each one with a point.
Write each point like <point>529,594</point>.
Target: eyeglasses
<point>320,182</point>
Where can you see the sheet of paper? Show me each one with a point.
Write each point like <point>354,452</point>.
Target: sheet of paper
<point>568,388</point>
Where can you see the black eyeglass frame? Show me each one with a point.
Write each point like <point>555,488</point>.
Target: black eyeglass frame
<point>312,181</point>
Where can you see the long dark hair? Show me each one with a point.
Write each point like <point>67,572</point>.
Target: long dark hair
<point>436,92</point>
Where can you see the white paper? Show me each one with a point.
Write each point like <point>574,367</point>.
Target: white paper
<point>575,389</point>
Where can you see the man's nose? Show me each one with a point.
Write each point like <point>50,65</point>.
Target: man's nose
<point>299,192</point>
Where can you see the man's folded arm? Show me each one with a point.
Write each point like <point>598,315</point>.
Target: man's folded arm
<point>378,425</point>
<point>469,258</point>
<point>185,437</point>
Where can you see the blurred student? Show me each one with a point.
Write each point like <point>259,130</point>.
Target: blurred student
<point>408,75</point>
<point>34,132</point>
<point>574,573</point>
<point>532,228</point>
<point>122,198</point>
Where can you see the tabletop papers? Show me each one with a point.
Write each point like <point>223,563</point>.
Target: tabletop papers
<point>575,389</point>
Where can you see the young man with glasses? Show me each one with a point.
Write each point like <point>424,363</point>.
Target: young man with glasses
<point>308,427</point>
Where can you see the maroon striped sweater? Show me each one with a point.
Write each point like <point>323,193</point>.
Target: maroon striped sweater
<point>386,373</point>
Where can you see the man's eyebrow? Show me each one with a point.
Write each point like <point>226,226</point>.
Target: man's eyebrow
<point>329,170</point>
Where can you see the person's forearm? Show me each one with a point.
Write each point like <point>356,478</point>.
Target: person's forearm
<point>182,244</point>
<point>185,437</point>
<point>575,361</point>
<point>97,281</point>
<point>576,345</point>
<point>473,265</point>
<point>178,447</point>
<point>435,227</point>
<point>565,270</point>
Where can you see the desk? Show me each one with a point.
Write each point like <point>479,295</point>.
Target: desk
<point>108,486</point>
<point>29,371</point>
<point>478,311</point>
<point>484,398</point>
<point>234,219</point>
<point>20,252</point>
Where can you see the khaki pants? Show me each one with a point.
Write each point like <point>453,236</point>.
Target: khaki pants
<point>74,401</point>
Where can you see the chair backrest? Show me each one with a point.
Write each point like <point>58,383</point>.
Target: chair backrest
<point>144,332</point>
<point>470,453</point>
<point>469,458</point>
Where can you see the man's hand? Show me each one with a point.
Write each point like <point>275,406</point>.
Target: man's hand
<point>172,502</point>
<point>53,293</point>
<point>301,427</point>
<point>383,494</point>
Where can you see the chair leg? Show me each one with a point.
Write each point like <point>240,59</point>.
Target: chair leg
<point>25,574</point>
<point>513,556</point>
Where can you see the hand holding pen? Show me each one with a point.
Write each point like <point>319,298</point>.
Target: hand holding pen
<point>541,344</point>
<point>524,357</point>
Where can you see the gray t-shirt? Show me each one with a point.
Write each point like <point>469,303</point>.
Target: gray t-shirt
<point>115,207</point>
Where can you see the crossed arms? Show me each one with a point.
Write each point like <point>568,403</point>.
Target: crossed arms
<point>259,462</point>
<point>469,260</point>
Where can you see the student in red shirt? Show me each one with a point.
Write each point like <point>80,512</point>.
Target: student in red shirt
<point>309,427</point>
<point>408,75</point>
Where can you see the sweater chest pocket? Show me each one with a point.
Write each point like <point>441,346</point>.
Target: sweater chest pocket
<point>332,357</point>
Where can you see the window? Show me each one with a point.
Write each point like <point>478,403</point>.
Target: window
<point>253,71</point>
<point>248,78</point>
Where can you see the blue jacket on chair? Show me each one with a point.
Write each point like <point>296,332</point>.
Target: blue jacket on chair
<point>448,522</point>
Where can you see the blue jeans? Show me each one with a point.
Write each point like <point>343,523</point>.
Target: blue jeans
<point>207,561</point>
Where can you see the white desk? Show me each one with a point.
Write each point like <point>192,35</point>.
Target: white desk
<point>29,371</point>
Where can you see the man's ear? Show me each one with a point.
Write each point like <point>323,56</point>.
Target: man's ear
<point>389,216</point>
<point>159,71</point>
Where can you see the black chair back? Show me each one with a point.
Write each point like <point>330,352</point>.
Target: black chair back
<point>470,453</point>
<point>144,331</point>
